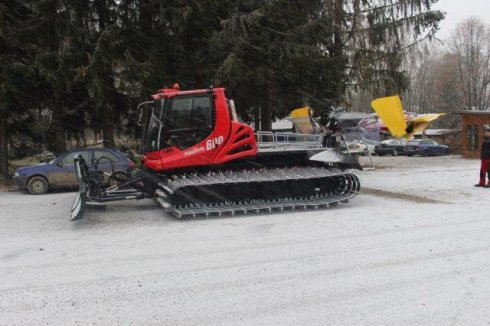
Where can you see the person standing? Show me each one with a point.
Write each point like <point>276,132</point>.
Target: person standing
<point>485,160</point>
<point>330,126</point>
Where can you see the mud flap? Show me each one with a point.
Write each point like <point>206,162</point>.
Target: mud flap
<point>338,158</point>
<point>80,202</point>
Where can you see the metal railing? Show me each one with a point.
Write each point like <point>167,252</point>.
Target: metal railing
<point>267,139</point>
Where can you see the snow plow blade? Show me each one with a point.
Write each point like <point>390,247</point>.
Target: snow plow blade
<point>93,192</point>
<point>80,202</point>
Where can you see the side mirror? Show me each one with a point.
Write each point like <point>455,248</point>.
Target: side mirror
<point>60,164</point>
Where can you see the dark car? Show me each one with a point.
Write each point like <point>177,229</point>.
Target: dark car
<point>60,172</point>
<point>393,147</point>
<point>426,147</point>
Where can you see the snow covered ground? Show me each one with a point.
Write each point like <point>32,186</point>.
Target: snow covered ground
<point>413,248</point>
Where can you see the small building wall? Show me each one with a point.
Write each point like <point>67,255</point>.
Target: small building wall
<point>474,123</point>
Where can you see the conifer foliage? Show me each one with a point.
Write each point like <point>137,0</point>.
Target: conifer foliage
<point>68,66</point>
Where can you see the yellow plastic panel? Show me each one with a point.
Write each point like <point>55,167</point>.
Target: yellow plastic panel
<point>390,110</point>
<point>300,113</point>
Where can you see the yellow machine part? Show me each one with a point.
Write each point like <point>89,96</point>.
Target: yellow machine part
<point>300,112</point>
<point>427,118</point>
<point>301,118</point>
<point>390,110</point>
<point>421,122</point>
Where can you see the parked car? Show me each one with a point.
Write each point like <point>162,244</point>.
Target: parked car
<point>359,146</point>
<point>393,147</point>
<point>426,147</point>
<point>60,172</point>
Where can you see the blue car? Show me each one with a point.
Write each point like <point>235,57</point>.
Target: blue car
<point>60,173</point>
<point>426,147</point>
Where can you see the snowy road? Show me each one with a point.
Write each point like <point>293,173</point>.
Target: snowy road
<point>387,257</point>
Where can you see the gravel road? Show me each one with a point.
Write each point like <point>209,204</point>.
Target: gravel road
<point>386,257</point>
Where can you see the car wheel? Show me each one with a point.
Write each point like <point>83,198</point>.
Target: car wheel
<point>117,178</point>
<point>409,155</point>
<point>395,152</point>
<point>37,185</point>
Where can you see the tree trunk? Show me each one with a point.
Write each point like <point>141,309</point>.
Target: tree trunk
<point>107,117</point>
<point>77,139</point>
<point>105,76</point>
<point>59,141</point>
<point>257,118</point>
<point>266,114</point>
<point>4,164</point>
<point>267,104</point>
<point>338,46</point>
<point>107,114</point>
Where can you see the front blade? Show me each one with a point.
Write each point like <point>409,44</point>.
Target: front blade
<point>79,204</point>
<point>78,207</point>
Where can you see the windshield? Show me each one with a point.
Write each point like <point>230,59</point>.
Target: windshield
<point>181,121</point>
<point>188,120</point>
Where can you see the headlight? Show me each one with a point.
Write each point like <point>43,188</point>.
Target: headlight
<point>16,174</point>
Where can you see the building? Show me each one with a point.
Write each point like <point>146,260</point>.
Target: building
<point>474,123</point>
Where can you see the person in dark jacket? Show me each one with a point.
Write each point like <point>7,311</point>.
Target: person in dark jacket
<point>485,160</point>
<point>330,126</point>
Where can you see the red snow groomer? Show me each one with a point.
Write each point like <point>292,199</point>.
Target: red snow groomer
<point>199,160</point>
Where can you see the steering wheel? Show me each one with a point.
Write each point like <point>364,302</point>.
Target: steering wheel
<point>187,137</point>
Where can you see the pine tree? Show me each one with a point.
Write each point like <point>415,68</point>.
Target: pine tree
<point>272,55</point>
<point>14,72</point>
<point>375,34</point>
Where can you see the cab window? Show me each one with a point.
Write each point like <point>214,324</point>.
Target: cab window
<point>189,120</point>
<point>158,108</point>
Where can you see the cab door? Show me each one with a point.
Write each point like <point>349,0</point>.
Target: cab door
<point>188,122</point>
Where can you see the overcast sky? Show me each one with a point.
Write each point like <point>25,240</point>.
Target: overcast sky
<point>457,10</point>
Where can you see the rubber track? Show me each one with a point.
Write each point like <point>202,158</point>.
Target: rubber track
<point>341,186</point>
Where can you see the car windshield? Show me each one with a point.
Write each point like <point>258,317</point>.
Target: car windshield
<point>413,143</point>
